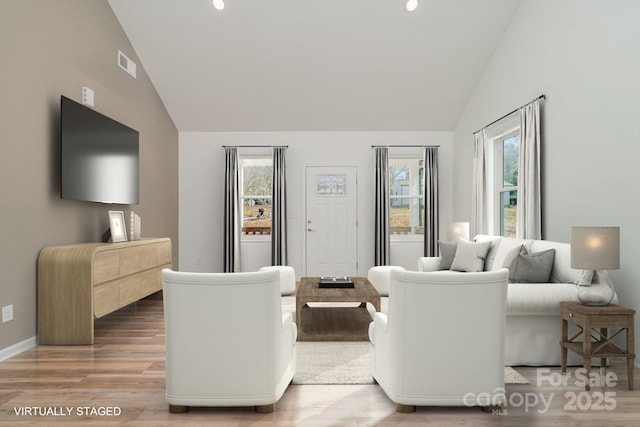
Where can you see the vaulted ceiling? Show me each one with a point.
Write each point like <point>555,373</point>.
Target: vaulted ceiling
<point>314,65</point>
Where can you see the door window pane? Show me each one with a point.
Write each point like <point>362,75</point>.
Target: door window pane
<point>335,185</point>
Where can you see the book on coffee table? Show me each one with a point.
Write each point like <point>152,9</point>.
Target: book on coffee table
<point>336,282</point>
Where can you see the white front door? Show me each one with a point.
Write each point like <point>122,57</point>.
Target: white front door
<point>331,221</point>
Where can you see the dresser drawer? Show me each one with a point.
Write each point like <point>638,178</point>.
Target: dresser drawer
<point>129,289</point>
<point>106,266</point>
<point>150,282</point>
<point>164,253</point>
<point>106,298</point>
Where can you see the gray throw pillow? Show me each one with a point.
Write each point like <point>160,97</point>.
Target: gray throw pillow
<point>534,268</point>
<point>470,256</point>
<point>511,260</point>
<point>447,253</point>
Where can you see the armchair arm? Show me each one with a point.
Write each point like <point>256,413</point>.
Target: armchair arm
<point>429,263</point>
<point>289,324</point>
<point>381,321</point>
<point>287,320</point>
<point>378,327</point>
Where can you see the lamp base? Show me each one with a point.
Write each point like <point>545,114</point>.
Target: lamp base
<point>600,293</point>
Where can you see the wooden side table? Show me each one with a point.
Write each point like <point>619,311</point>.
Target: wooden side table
<point>594,322</point>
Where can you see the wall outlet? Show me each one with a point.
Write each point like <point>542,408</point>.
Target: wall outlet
<point>7,313</point>
<point>87,96</point>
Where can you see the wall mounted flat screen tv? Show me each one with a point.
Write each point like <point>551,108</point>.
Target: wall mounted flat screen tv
<point>100,157</point>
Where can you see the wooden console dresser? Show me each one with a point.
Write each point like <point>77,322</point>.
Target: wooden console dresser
<point>79,283</point>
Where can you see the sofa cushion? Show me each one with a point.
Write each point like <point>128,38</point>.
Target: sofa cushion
<point>470,256</point>
<point>538,298</point>
<point>533,267</point>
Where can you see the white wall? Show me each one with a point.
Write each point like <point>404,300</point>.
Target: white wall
<point>201,181</point>
<point>585,56</point>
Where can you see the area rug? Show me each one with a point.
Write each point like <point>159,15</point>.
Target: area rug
<point>347,363</point>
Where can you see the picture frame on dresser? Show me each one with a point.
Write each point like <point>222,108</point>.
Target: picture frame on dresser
<point>117,226</point>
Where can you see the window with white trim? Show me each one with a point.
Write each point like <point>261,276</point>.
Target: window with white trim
<point>256,177</point>
<point>406,197</point>
<point>504,139</point>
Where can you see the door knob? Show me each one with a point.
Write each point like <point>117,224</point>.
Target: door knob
<point>310,229</point>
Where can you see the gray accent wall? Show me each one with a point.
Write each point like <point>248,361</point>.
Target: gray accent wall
<point>584,55</point>
<point>51,48</point>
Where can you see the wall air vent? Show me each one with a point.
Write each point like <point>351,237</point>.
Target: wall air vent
<point>126,64</point>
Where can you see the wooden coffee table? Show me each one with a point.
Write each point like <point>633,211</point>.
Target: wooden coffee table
<point>334,323</point>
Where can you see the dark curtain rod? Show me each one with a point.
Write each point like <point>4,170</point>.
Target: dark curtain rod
<point>543,96</point>
<point>255,146</point>
<point>403,146</point>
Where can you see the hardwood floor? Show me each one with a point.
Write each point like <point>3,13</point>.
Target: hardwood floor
<point>121,379</point>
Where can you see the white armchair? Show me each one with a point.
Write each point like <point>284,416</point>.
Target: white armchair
<point>227,341</point>
<point>442,342</point>
<point>287,278</point>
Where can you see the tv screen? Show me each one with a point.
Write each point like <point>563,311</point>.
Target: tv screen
<point>99,156</point>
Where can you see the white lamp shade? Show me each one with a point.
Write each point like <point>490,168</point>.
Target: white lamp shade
<point>458,230</point>
<point>595,248</point>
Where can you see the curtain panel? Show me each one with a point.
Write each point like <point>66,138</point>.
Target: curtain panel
<point>279,208</point>
<point>232,211</point>
<point>479,216</point>
<point>529,209</point>
<point>431,202</point>
<point>382,238</point>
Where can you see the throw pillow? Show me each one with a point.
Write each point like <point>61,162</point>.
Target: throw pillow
<point>447,253</point>
<point>470,256</point>
<point>534,268</point>
<point>511,260</point>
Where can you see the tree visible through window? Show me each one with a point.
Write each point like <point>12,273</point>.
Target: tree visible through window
<point>406,196</point>
<point>256,178</point>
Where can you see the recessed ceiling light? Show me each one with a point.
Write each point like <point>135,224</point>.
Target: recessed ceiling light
<point>411,5</point>
<point>218,4</point>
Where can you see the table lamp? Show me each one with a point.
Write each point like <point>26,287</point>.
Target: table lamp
<point>458,230</point>
<point>594,249</point>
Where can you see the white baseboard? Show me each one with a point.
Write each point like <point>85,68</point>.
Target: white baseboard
<point>14,350</point>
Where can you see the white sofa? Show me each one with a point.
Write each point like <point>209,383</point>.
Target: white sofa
<point>228,343</point>
<point>533,309</point>
<point>442,342</point>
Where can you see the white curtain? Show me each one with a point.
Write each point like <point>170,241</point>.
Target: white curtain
<point>382,238</point>
<point>529,211</point>
<point>279,208</point>
<point>431,202</point>
<point>479,214</point>
<point>232,219</point>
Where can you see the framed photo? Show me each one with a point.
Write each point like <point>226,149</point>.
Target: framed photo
<point>116,223</point>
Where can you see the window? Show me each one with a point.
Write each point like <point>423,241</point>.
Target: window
<point>256,179</point>
<point>505,194</point>
<point>406,196</point>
